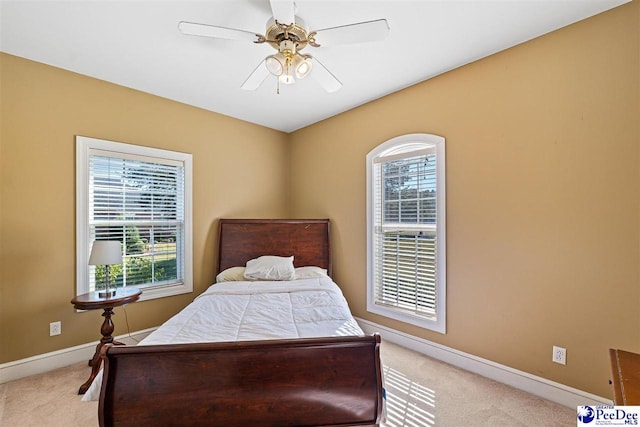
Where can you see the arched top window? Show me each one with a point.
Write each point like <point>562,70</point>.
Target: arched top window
<point>406,230</point>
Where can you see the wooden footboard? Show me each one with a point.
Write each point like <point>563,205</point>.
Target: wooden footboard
<point>301,382</point>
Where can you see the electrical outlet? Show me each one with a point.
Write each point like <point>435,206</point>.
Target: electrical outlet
<point>55,328</point>
<point>559,355</point>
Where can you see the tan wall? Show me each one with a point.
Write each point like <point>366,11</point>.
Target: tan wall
<point>239,170</point>
<point>542,196</point>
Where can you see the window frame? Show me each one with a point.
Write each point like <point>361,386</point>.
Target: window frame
<point>419,142</point>
<point>85,146</point>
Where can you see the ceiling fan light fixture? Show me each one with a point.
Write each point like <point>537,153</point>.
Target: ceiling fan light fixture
<point>275,64</point>
<point>287,76</point>
<point>302,65</point>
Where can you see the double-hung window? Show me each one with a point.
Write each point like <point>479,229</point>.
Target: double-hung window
<point>140,197</point>
<point>406,230</point>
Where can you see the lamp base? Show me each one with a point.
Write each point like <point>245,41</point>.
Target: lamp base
<point>106,294</point>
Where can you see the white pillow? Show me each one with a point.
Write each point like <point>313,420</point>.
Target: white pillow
<point>231,275</point>
<point>269,267</point>
<point>310,272</point>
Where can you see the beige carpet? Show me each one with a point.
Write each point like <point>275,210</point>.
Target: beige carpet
<point>421,392</point>
<point>425,392</point>
<point>49,399</point>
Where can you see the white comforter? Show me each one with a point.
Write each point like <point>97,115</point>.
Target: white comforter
<point>240,311</point>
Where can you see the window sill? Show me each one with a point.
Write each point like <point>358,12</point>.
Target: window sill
<point>149,293</point>
<point>422,322</point>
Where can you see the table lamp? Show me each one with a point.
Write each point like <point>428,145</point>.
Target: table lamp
<point>107,253</point>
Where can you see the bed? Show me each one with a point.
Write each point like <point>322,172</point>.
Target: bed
<point>251,366</point>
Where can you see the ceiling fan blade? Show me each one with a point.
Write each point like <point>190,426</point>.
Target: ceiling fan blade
<point>353,33</point>
<point>204,30</point>
<point>256,78</point>
<point>283,11</point>
<point>323,76</point>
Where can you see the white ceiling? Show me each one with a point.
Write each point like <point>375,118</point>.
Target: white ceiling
<point>136,44</point>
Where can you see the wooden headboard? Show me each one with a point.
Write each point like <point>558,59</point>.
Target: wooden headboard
<point>240,240</point>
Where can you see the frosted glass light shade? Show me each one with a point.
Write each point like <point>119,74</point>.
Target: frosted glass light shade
<point>302,66</point>
<point>105,252</point>
<point>275,64</point>
<point>287,79</point>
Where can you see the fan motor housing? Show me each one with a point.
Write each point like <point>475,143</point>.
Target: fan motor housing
<point>277,32</point>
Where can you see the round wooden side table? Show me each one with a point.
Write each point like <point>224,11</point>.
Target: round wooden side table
<point>91,301</point>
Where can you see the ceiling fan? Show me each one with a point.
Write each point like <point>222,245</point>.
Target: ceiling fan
<point>287,34</point>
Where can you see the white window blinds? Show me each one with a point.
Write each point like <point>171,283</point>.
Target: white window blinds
<point>406,232</point>
<point>406,271</point>
<point>139,203</point>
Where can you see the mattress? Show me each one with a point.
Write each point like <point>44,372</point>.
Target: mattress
<point>256,310</point>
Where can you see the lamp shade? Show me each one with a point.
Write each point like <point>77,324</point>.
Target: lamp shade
<point>275,64</point>
<point>302,65</point>
<point>105,252</point>
<point>287,79</point>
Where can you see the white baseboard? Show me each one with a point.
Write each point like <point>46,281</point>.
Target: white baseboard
<point>555,392</point>
<point>57,359</point>
<point>550,390</point>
